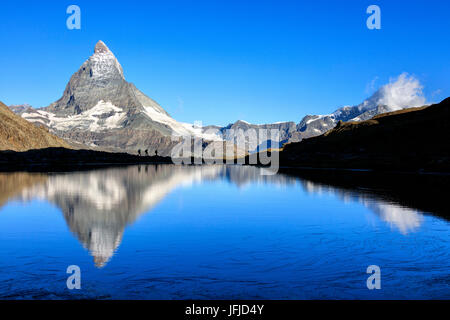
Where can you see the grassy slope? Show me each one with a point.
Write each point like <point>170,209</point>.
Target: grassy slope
<point>18,134</point>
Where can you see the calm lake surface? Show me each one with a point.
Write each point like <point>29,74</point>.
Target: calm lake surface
<point>220,232</point>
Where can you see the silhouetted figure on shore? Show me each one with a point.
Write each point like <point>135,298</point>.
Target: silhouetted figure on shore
<point>156,152</point>
<point>139,152</point>
<point>146,152</point>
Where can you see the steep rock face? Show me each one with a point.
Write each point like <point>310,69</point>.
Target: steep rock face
<point>284,129</point>
<point>101,110</point>
<point>101,78</point>
<point>17,134</point>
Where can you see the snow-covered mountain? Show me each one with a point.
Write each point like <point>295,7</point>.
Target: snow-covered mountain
<point>401,93</point>
<point>99,108</point>
<point>284,129</point>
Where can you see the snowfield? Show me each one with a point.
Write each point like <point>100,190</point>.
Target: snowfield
<point>178,128</point>
<point>103,116</point>
<point>106,116</point>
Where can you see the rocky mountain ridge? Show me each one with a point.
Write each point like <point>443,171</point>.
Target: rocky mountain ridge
<point>101,110</point>
<point>400,93</point>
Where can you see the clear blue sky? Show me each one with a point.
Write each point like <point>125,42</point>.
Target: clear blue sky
<point>219,61</point>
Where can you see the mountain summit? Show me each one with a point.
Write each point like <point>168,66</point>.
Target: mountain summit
<point>101,47</point>
<point>100,109</point>
<point>101,78</point>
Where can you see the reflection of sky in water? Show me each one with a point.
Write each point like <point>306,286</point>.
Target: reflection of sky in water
<point>224,219</point>
<point>100,195</point>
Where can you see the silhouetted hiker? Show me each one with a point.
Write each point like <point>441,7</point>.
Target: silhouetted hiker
<point>146,152</point>
<point>156,152</point>
<point>139,152</point>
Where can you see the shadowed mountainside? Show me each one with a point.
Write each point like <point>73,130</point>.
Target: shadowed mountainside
<point>405,140</point>
<point>18,134</point>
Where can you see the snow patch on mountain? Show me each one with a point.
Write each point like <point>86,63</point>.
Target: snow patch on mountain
<point>179,128</point>
<point>103,116</point>
<point>314,118</point>
<point>402,92</point>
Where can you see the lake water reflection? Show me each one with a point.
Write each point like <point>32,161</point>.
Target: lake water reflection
<point>172,232</point>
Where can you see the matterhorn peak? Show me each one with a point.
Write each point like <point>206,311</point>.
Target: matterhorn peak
<point>101,47</point>
<point>104,64</point>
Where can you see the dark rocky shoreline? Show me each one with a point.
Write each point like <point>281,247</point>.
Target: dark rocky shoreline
<point>62,159</point>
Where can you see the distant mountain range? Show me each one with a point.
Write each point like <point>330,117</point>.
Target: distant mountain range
<point>99,109</point>
<point>403,93</point>
<point>403,140</point>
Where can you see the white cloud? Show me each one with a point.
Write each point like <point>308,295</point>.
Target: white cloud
<point>403,92</point>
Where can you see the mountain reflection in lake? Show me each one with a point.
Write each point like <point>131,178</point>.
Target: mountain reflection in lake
<point>165,231</point>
